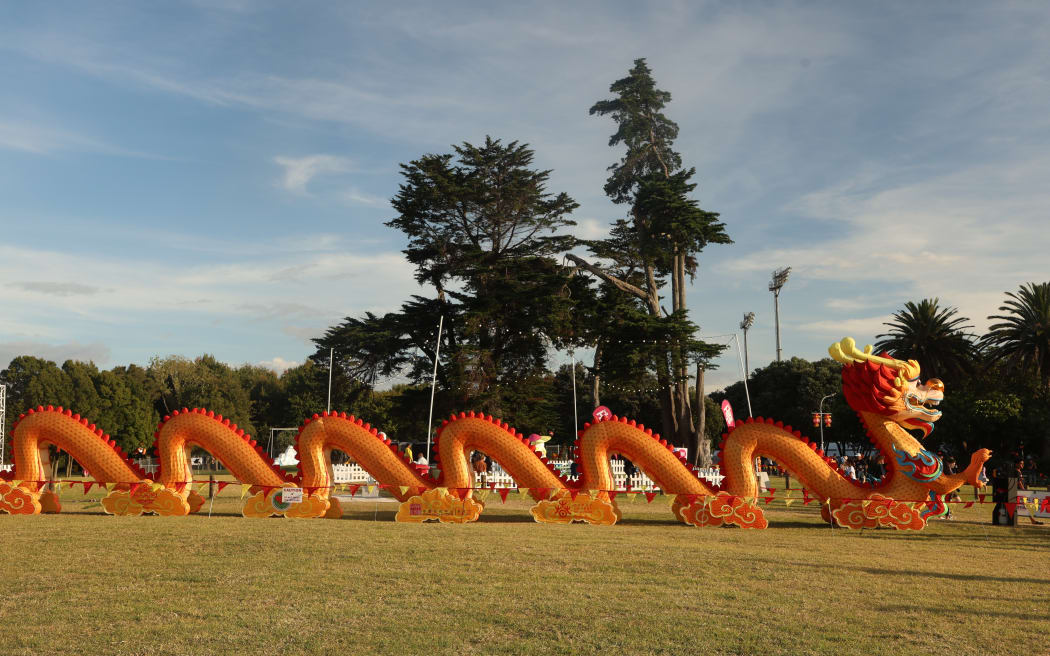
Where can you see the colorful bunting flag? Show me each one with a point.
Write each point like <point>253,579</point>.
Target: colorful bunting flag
<point>650,496</point>
<point>503,492</point>
<point>222,485</point>
<point>404,489</point>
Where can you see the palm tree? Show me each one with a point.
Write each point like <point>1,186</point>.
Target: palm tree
<point>932,335</point>
<point>1022,338</point>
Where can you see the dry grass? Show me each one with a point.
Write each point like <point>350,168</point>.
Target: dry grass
<point>81,582</point>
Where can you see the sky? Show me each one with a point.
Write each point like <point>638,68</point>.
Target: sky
<point>213,177</point>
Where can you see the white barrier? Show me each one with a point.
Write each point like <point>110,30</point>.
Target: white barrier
<point>353,473</point>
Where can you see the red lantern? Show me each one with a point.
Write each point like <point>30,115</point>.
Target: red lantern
<point>816,419</point>
<point>827,420</point>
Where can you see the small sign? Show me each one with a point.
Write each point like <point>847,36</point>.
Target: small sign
<point>727,412</point>
<point>292,495</point>
<point>601,413</point>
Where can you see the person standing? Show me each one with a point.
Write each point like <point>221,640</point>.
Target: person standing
<point>481,468</point>
<point>950,470</point>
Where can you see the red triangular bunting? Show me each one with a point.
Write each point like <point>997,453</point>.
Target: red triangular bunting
<point>612,494</point>
<point>981,497</point>
<point>420,490</point>
<point>771,490</point>
<point>574,494</point>
<point>222,485</point>
<point>87,486</point>
<point>769,500</point>
<point>650,496</point>
<point>354,488</point>
<point>179,487</point>
<point>462,492</point>
<point>969,504</point>
<point>503,492</point>
<point>310,490</point>
<point>1011,508</point>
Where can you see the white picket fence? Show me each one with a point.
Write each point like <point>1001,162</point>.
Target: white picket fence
<point>355,474</point>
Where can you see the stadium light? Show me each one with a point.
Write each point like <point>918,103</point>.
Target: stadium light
<point>780,277</point>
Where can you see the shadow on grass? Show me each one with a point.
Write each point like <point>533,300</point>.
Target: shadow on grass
<point>948,612</point>
<point>880,571</point>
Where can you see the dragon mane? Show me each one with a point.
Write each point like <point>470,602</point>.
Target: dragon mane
<point>872,383</point>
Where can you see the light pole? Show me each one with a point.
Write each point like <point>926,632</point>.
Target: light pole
<point>331,365</point>
<point>749,320</point>
<point>820,418</point>
<point>780,276</point>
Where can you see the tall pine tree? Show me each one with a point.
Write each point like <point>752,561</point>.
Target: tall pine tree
<point>663,236</point>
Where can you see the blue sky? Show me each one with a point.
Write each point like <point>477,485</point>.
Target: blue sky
<point>213,177</point>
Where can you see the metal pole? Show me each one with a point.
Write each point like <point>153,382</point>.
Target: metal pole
<point>575,415</point>
<point>3,412</point>
<point>776,318</point>
<point>746,392</point>
<point>820,413</point>
<point>433,384</point>
<point>747,365</point>
<point>331,365</point>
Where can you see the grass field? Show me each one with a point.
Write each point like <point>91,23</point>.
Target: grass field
<point>86,583</point>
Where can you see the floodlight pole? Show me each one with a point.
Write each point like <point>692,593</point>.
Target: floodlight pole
<point>749,320</point>
<point>780,277</point>
<point>747,394</point>
<point>433,384</point>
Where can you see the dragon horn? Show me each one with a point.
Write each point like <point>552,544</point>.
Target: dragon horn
<point>846,352</point>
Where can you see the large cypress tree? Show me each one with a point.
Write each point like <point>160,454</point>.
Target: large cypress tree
<point>483,231</point>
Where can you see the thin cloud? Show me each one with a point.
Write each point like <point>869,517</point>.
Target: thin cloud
<point>278,364</point>
<point>298,172</point>
<point>96,352</point>
<point>58,288</point>
<point>355,196</point>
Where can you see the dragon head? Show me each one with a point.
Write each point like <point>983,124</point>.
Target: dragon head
<point>887,386</point>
